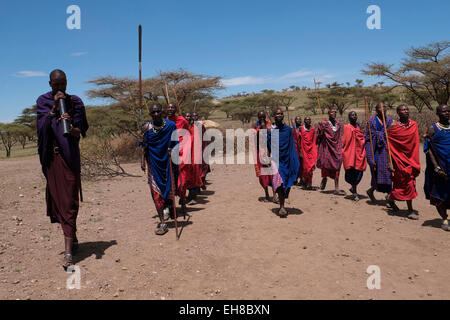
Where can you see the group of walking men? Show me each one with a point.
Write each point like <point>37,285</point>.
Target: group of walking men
<point>175,164</point>
<point>389,147</point>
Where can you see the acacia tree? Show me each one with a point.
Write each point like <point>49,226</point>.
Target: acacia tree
<point>8,136</point>
<point>123,95</point>
<point>186,88</point>
<point>28,122</point>
<point>338,96</point>
<point>425,73</point>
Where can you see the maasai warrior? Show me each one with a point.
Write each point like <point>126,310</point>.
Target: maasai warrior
<point>379,164</point>
<point>205,161</point>
<point>196,160</point>
<point>404,142</point>
<point>185,167</point>
<point>437,174</point>
<point>298,147</point>
<point>330,150</point>
<point>159,139</point>
<point>60,157</point>
<point>354,153</point>
<point>309,152</point>
<point>285,162</point>
<point>261,154</point>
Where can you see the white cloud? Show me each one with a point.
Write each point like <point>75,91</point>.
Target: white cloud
<point>78,54</point>
<point>239,81</point>
<point>289,78</point>
<point>29,74</point>
<point>297,74</point>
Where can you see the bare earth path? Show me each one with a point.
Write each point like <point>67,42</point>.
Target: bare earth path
<point>232,247</point>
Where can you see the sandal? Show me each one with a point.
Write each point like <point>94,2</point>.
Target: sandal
<point>445,226</point>
<point>67,261</point>
<point>393,206</point>
<point>275,199</point>
<point>282,212</point>
<point>413,216</point>
<point>161,230</point>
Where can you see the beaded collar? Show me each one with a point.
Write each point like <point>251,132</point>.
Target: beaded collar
<point>155,128</point>
<point>334,128</point>
<point>442,126</point>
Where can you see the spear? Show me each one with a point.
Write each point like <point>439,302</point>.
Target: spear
<point>149,170</point>
<point>370,131</point>
<point>140,76</point>
<point>172,186</point>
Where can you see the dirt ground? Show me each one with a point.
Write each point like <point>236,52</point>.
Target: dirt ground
<point>232,247</point>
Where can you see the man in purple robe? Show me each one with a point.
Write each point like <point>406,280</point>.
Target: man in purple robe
<point>60,157</point>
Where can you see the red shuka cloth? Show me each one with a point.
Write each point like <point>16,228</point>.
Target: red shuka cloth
<point>185,169</point>
<point>309,149</point>
<point>354,152</point>
<point>195,180</point>
<point>264,180</point>
<point>404,142</point>
<point>62,195</point>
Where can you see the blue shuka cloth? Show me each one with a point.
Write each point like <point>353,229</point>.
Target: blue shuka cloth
<point>157,145</point>
<point>288,163</point>
<point>434,186</point>
<point>381,177</point>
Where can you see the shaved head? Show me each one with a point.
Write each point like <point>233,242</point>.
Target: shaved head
<point>441,107</point>
<point>57,73</point>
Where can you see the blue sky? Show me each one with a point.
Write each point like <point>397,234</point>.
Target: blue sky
<point>253,45</point>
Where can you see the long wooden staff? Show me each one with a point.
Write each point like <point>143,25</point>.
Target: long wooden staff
<point>317,96</point>
<point>149,170</point>
<point>176,100</point>
<point>370,132</point>
<point>387,140</point>
<point>166,94</point>
<point>140,77</point>
<point>172,185</point>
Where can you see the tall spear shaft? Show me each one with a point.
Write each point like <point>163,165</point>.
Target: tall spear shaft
<point>370,131</point>
<point>387,140</point>
<point>140,76</point>
<point>317,95</point>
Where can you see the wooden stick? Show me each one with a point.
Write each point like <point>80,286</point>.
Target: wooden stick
<point>167,94</point>
<point>317,96</point>
<point>176,99</point>
<point>140,76</point>
<point>387,140</point>
<point>172,185</point>
<point>370,132</point>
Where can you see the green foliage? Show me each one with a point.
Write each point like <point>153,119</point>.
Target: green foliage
<point>424,73</point>
<point>10,134</point>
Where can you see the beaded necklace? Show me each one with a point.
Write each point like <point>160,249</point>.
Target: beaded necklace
<point>333,127</point>
<point>156,129</point>
<point>443,126</point>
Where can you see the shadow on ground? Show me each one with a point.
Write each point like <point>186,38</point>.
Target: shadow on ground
<point>291,211</point>
<point>87,249</point>
<point>435,223</point>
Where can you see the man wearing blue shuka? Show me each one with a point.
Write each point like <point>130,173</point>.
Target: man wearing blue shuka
<point>160,137</point>
<point>285,160</point>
